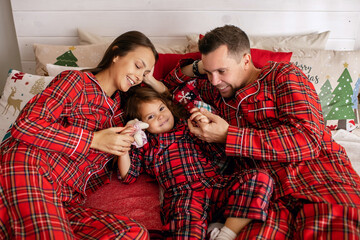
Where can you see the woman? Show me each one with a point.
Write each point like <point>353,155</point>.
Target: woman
<point>60,146</point>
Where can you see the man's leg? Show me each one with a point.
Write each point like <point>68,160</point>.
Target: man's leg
<point>333,213</point>
<point>276,226</point>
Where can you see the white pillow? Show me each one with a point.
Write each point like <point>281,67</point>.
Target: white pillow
<point>19,89</point>
<point>54,70</point>
<point>311,40</point>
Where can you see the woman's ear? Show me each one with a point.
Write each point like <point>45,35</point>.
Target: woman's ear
<point>115,59</point>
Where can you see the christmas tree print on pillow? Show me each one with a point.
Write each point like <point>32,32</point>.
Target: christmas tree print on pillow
<point>340,104</point>
<point>67,59</point>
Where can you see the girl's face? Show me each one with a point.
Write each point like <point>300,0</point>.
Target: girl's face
<point>157,115</point>
<point>130,70</point>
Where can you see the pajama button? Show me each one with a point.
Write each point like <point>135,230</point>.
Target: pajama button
<point>89,172</point>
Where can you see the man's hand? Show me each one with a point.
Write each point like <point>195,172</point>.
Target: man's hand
<point>215,129</point>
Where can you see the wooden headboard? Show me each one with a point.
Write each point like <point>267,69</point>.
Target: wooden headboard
<point>56,22</point>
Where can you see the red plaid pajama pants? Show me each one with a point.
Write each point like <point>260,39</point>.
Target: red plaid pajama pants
<point>31,208</point>
<point>187,210</point>
<point>330,211</point>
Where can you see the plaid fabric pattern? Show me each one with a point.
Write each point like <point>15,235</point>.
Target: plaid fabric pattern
<point>244,195</point>
<point>50,143</point>
<point>88,223</point>
<point>188,169</point>
<point>276,124</point>
<point>320,220</point>
<point>187,95</point>
<point>177,158</point>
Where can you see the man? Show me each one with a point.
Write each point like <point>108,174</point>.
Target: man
<point>271,119</point>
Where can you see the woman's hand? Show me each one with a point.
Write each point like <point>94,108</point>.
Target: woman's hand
<point>157,85</point>
<point>207,126</point>
<point>116,140</point>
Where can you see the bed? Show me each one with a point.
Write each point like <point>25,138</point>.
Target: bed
<point>48,47</point>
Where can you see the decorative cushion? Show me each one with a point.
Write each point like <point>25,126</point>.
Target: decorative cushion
<point>311,40</point>
<point>86,38</point>
<point>336,77</point>
<point>168,61</point>
<point>19,89</point>
<point>187,95</point>
<point>260,56</point>
<point>71,56</point>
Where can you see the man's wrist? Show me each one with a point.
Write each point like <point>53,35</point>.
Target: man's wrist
<point>195,68</point>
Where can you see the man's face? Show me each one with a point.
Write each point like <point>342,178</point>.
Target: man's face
<point>225,72</point>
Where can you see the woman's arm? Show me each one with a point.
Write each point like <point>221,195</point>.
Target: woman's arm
<point>157,85</point>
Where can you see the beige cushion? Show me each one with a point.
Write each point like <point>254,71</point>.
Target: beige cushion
<point>311,40</point>
<point>71,56</point>
<point>336,78</point>
<point>86,37</point>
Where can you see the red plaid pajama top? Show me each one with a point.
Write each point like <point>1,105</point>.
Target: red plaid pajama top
<point>276,124</point>
<point>177,158</point>
<point>55,129</point>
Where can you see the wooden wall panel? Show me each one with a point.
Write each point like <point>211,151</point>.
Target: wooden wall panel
<point>56,22</point>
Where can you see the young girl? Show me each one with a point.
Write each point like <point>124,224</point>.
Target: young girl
<point>60,146</point>
<point>189,171</point>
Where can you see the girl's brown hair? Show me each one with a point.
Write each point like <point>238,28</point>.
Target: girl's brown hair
<point>138,95</point>
<point>121,46</point>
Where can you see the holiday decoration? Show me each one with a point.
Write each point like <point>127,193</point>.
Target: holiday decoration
<point>67,59</point>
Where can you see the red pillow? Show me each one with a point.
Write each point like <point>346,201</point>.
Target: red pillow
<point>260,56</point>
<point>168,61</point>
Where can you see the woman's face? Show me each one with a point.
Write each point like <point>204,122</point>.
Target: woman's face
<point>129,70</point>
<point>157,115</point>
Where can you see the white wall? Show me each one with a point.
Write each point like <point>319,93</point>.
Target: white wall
<point>56,22</point>
<point>10,57</point>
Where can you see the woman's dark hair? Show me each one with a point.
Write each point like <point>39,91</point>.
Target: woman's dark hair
<point>121,46</point>
<point>233,37</point>
<point>138,95</point>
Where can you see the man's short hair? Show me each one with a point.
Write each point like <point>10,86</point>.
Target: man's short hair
<point>233,37</point>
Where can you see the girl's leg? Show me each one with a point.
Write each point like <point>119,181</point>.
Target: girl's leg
<point>185,214</point>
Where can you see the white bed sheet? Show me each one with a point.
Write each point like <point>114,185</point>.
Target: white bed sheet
<point>351,142</point>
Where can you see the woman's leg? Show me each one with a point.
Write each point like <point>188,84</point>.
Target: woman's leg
<point>30,206</point>
<point>89,223</point>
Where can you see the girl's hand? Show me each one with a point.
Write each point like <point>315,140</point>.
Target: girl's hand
<point>198,117</point>
<point>116,140</point>
<point>213,131</point>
